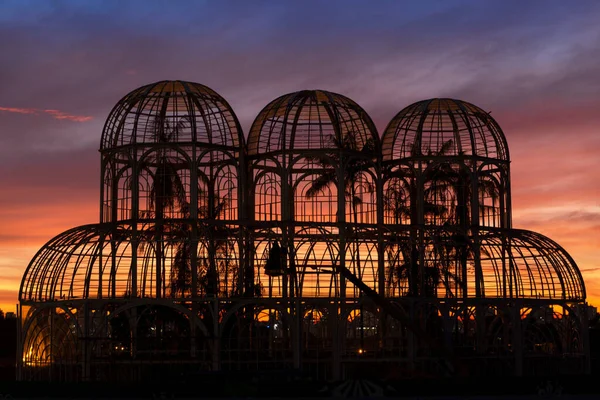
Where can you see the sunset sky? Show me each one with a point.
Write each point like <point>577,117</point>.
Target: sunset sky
<point>534,64</point>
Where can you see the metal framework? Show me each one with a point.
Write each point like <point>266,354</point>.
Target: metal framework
<point>317,247</point>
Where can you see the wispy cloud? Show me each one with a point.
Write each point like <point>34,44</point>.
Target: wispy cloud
<point>62,115</point>
<point>590,269</point>
<point>56,114</point>
<point>19,110</point>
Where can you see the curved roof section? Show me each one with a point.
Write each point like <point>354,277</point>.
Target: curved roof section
<point>534,266</point>
<point>443,127</point>
<point>310,120</point>
<point>62,267</point>
<point>172,112</point>
<point>95,261</point>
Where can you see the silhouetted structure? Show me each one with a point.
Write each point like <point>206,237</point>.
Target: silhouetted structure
<point>8,346</point>
<point>318,247</point>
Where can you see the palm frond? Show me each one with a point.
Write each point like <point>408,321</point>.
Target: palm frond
<point>321,183</point>
<point>368,147</point>
<point>356,201</point>
<point>220,206</point>
<point>446,146</point>
<point>488,187</point>
<point>181,124</point>
<point>415,149</point>
<point>323,162</point>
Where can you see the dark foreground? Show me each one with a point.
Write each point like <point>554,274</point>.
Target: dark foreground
<point>273,385</point>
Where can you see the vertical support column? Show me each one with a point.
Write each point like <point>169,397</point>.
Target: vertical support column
<point>216,351</point>
<point>297,334</point>
<point>193,221</point>
<point>87,356</point>
<point>193,238</point>
<point>418,235</point>
<point>380,233</point>
<point>411,340</point>
<point>133,332</point>
<point>246,217</point>
<point>517,339</point>
<point>447,324</point>
<point>295,301</point>
<point>193,333</point>
<point>334,327</point>
<point>480,310</point>
<point>585,334</point>
<point>340,311</point>
<point>381,281</point>
<point>291,309</point>
<point>135,211</point>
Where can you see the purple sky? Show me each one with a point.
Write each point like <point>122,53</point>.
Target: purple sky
<point>63,65</point>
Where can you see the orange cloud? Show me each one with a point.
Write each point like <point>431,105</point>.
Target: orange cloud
<point>56,114</point>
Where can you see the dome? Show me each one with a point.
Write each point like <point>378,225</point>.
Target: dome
<point>174,112</point>
<point>307,120</point>
<point>448,126</point>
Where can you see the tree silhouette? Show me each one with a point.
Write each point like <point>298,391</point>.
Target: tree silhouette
<point>355,169</point>
<point>447,195</point>
<point>456,183</point>
<point>217,262</point>
<point>168,194</point>
<point>403,190</point>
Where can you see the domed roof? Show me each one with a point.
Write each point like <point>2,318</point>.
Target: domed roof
<point>309,120</point>
<point>445,127</point>
<point>173,112</point>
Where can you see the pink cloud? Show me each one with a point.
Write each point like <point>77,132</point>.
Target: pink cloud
<point>19,110</point>
<point>62,115</point>
<point>56,114</point>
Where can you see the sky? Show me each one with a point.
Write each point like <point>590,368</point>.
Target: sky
<point>533,64</point>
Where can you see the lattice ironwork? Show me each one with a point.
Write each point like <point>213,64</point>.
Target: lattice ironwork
<point>316,247</point>
<point>493,264</point>
<point>117,262</point>
<point>452,127</point>
<point>313,161</point>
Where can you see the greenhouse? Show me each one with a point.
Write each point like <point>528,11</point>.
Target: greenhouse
<point>312,244</point>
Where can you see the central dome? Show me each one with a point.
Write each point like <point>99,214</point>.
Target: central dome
<point>309,120</point>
